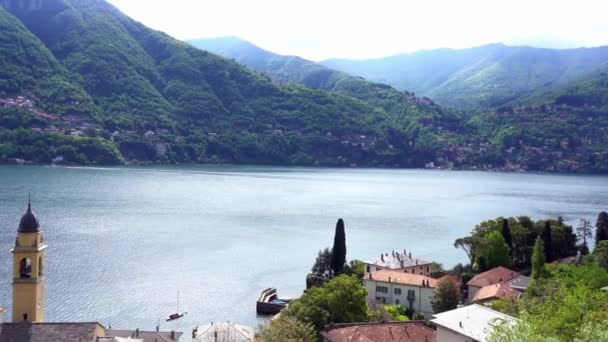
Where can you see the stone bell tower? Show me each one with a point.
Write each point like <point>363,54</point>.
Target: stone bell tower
<point>28,276</point>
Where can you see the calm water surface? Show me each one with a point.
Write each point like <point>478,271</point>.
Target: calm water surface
<point>123,241</point>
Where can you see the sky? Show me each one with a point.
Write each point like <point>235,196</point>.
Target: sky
<point>356,29</point>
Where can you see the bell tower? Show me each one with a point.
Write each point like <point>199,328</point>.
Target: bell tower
<point>28,276</point>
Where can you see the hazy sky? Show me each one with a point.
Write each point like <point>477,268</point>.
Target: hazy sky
<point>318,29</point>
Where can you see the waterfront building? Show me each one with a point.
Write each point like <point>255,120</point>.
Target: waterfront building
<point>402,262</point>
<point>413,291</point>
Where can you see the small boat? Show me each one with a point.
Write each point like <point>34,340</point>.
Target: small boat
<point>269,302</point>
<point>177,314</point>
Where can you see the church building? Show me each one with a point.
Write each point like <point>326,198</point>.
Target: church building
<point>28,324</point>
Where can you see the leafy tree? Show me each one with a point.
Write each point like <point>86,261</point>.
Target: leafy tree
<point>321,270</point>
<point>397,312</point>
<point>547,242</point>
<point>538,259</point>
<point>287,329</point>
<point>470,245</point>
<point>445,297</point>
<point>418,316</point>
<point>584,232</point>
<point>340,300</point>
<point>338,255</point>
<point>601,253</point>
<point>355,268</point>
<point>495,251</point>
<point>506,234</point>
<point>601,227</point>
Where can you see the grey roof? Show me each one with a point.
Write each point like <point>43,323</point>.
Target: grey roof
<point>520,283</point>
<point>29,222</point>
<point>146,336</point>
<point>396,260</point>
<point>44,332</point>
<point>474,321</point>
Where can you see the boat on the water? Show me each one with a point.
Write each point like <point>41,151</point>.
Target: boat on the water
<point>177,314</point>
<point>269,302</point>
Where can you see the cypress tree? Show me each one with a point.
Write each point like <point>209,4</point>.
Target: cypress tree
<point>506,234</point>
<point>601,227</point>
<point>538,259</point>
<point>338,255</point>
<point>547,242</point>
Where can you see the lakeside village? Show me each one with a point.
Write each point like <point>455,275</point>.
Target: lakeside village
<point>157,141</point>
<point>527,281</point>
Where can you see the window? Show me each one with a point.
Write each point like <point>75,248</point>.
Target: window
<point>397,301</point>
<point>25,268</point>
<point>382,289</point>
<point>411,294</point>
<point>427,268</point>
<point>398,292</point>
<point>367,268</point>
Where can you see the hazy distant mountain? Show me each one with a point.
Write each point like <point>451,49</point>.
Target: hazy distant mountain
<point>485,76</point>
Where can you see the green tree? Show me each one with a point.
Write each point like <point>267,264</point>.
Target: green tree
<point>340,300</point>
<point>506,234</point>
<point>601,253</point>
<point>495,251</point>
<point>584,232</point>
<point>396,313</point>
<point>538,259</point>
<point>547,241</point>
<point>321,269</point>
<point>287,329</point>
<point>338,252</point>
<point>355,268</point>
<point>445,297</point>
<point>601,227</point>
<point>470,245</point>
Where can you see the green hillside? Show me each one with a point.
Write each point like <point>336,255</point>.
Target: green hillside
<point>157,99</point>
<point>481,77</point>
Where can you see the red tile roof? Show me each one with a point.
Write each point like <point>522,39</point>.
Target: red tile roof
<point>400,277</point>
<point>493,276</point>
<point>380,332</point>
<point>454,278</point>
<point>495,291</point>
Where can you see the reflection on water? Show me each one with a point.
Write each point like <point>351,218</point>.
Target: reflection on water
<point>123,241</point>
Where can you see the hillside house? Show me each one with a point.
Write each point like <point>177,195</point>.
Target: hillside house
<point>494,276</point>
<point>411,331</point>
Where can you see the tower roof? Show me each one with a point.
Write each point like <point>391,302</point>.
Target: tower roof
<point>29,222</point>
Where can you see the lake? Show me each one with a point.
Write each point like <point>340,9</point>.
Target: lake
<point>123,241</point>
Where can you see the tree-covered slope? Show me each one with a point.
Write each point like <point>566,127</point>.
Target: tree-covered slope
<point>564,130</point>
<point>296,70</point>
<point>159,99</point>
<point>480,77</point>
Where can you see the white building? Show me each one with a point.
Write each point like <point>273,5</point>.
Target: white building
<point>223,332</point>
<point>403,262</point>
<point>472,323</point>
<point>413,291</point>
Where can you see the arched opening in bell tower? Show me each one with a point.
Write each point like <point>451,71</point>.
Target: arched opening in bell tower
<point>25,268</point>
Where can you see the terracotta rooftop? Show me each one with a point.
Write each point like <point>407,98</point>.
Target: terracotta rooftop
<point>398,277</point>
<point>495,291</point>
<point>44,332</point>
<point>454,278</point>
<point>396,260</point>
<point>493,276</point>
<point>411,331</point>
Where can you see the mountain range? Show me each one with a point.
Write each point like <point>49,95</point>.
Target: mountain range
<point>480,77</point>
<point>82,83</point>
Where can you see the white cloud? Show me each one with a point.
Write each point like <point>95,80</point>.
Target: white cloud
<point>318,29</point>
